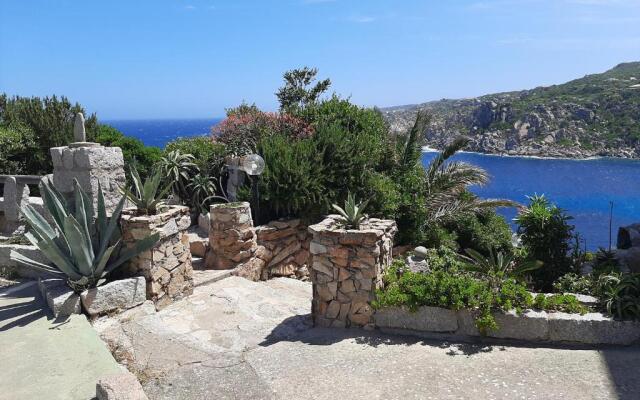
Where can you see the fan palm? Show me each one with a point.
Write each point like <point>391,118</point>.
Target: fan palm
<point>447,185</point>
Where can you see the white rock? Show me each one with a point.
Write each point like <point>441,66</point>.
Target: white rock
<point>62,301</point>
<point>118,295</point>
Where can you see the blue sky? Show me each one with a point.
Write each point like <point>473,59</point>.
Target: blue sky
<point>194,58</point>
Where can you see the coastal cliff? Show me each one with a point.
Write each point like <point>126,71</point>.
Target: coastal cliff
<point>597,115</point>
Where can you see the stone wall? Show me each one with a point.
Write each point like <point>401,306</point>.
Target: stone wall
<point>167,267</point>
<point>232,240</point>
<point>89,165</point>
<point>285,249</point>
<point>346,268</point>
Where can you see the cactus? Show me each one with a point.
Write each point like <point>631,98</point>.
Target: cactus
<point>81,248</point>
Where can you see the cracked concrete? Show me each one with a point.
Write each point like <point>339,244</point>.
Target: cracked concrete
<point>236,339</point>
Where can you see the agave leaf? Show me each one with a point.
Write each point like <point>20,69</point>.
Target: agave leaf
<point>102,262</point>
<point>79,250</point>
<point>101,221</point>
<point>128,253</point>
<point>55,205</point>
<point>82,218</point>
<point>110,229</point>
<point>57,257</point>
<point>37,222</point>
<point>27,262</point>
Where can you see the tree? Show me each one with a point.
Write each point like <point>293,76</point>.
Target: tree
<point>297,92</point>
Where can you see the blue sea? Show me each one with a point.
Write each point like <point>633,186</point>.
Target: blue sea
<point>584,188</point>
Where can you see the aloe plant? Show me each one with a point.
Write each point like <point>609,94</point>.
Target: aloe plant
<point>145,194</point>
<point>498,267</point>
<point>82,249</point>
<point>353,213</point>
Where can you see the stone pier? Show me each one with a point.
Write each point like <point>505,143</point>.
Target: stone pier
<point>346,269</point>
<point>232,239</point>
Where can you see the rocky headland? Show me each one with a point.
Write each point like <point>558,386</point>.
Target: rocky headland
<point>597,115</point>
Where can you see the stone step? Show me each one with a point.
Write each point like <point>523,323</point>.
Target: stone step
<point>205,277</point>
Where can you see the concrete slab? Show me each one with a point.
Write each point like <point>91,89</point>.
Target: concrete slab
<point>43,358</point>
<point>237,339</point>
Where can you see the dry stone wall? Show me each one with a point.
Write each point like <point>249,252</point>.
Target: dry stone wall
<point>284,248</point>
<point>346,268</point>
<point>167,267</point>
<point>232,240</point>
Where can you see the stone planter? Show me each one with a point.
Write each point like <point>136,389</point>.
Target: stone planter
<point>346,268</point>
<point>167,267</point>
<point>285,249</point>
<point>232,240</point>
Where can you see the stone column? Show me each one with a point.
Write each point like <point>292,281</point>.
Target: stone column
<point>346,268</point>
<point>89,163</point>
<point>15,195</point>
<point>232,240</point>
<point>167,267</point>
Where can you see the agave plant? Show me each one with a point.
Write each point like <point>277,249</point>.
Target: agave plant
<point>498,267</point>
<point>620,295</point>
<point>178,168</point>
<point>145,195</point>
<point>352,213</point>
<point>82,249</point>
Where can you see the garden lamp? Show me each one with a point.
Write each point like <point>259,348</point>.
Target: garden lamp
<point>253,165</point>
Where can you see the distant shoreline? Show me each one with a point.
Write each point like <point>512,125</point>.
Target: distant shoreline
<point>429,149</point>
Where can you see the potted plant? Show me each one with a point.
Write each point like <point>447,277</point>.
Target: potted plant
<point>167,266</point>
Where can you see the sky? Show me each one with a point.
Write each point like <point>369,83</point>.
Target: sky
<point>134,59</point>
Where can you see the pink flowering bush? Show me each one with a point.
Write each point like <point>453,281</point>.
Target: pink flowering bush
<point>245,126</point>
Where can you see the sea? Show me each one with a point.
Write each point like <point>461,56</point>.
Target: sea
<point>592,191</point>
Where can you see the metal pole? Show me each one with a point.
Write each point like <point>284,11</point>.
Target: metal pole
<point>256,199</point>
<point>610,222</point>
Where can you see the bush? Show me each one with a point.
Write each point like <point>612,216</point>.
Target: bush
<point>574,283</point>
<point>483,232</point>
<point>450,290</point>
<point>620,295</point>
<point>547,236</point>
<point>17,147</point>
<point>292,183</point>
<point>559,302</point>
<point>134,152</point>
<point>50,119</point>
<point>208,156</point>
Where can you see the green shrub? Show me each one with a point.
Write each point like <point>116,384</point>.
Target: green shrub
<point>444,259</point>
<point>559,302</point>
<point>292,183</point>
<point>134,151</point>
<point>17,146</point>
<point>51,120</point>
<point>484,232</point>
<point>455,291</point>
<point>574,283</point>
<point>208,155</point>
<point>547,236</point>
<point>605,262</point>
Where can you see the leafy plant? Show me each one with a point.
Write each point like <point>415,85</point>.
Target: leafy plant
<point>353,213</point>
<point>605,262</point>
<point>82,249</point>
<point>178,168</point>
<point>145,194</point>
<point>620,295</point>
<point>574,283</point>
<point>547,235</point>
<point>496,268</point>
<point>559,302</point>
<point>203,191</point>
<point>447,183</point>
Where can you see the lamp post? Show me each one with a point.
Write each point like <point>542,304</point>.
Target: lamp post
<point>253,165</point>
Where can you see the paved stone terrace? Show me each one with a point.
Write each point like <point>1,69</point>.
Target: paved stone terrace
<point>236,339</point>
<point>42,358</point>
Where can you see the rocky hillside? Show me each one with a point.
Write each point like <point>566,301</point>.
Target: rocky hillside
<point>598,115</point>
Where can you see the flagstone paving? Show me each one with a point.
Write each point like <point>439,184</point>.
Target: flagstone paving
<point>46,359</point>
<point>236,339</point>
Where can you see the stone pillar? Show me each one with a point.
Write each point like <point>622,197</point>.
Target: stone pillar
<point>346,268</point>
<point>89,164</point>
<point>232,239</point>
<point>167,267</point>
<point>15,195</point>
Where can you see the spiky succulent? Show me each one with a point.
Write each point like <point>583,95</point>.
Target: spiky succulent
<point>82,249</point>
<point>145,194</point>
<point>353,213</point>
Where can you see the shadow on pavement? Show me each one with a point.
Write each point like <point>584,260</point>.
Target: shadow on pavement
<point>18,308</point>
